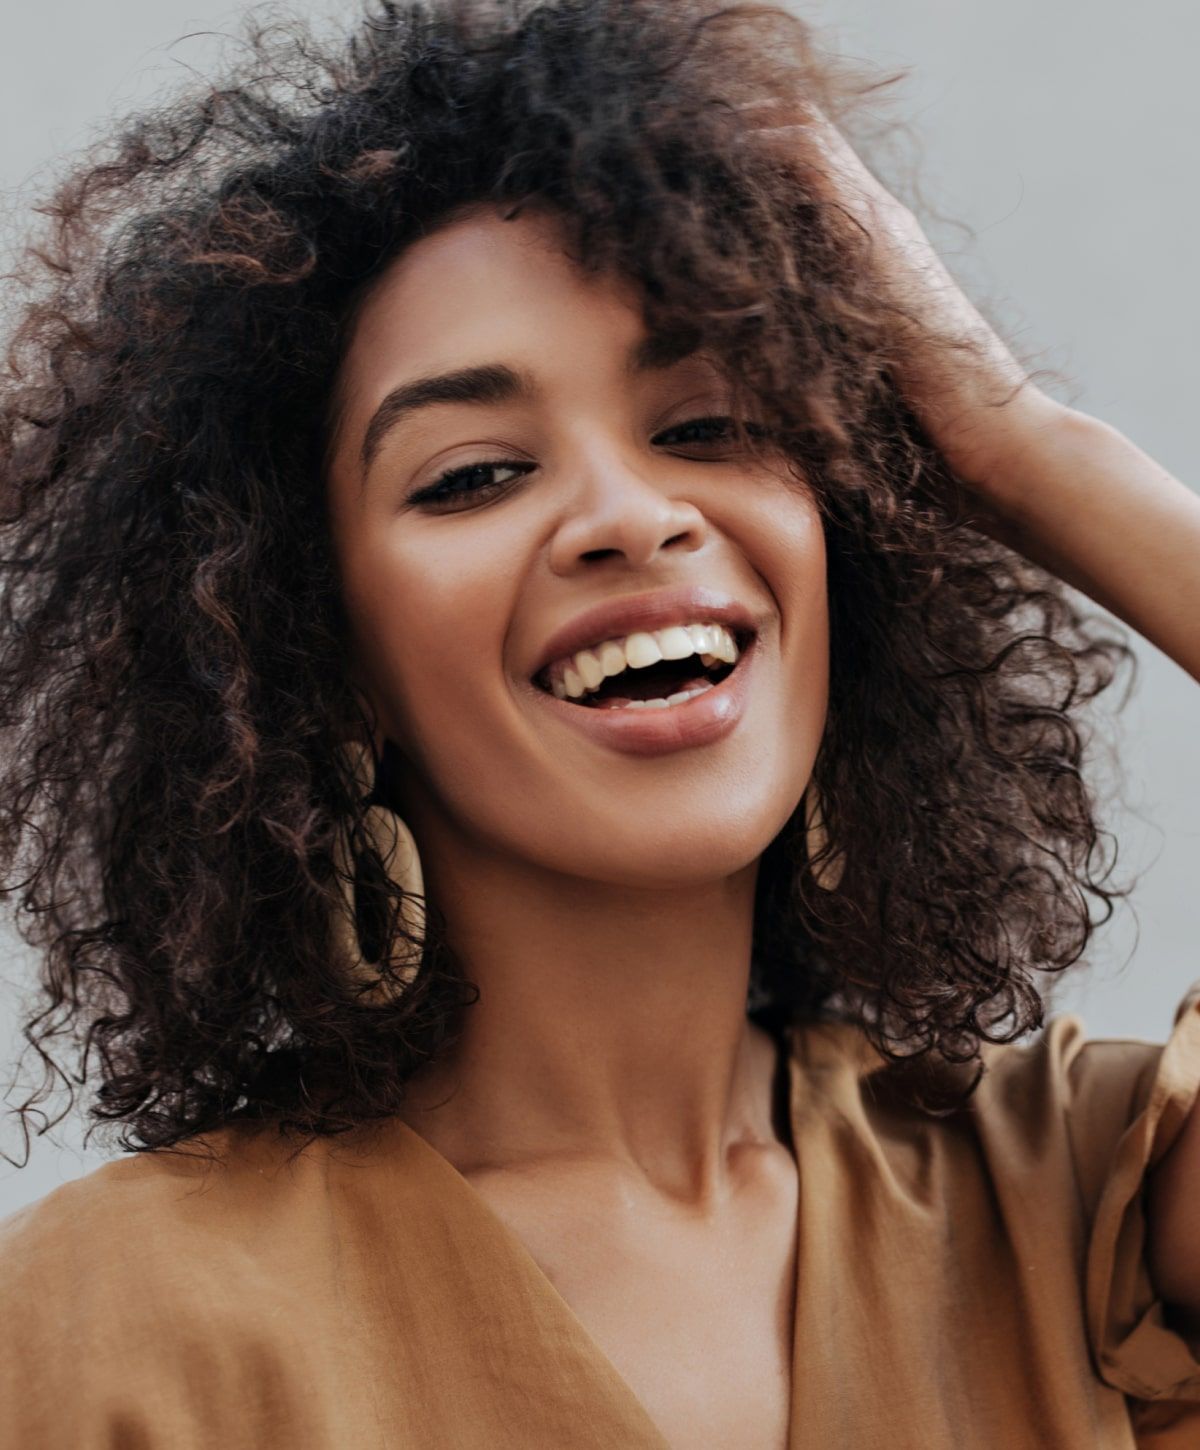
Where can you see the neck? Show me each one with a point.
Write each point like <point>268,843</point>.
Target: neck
<point>611,1024</point>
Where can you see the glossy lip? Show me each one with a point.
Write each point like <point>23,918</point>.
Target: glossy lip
<point>700,721</point>
<point>694,604</point>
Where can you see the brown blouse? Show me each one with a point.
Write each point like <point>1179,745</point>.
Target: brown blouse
<point>967,1282</point>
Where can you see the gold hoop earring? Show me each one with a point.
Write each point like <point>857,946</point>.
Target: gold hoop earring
<point>388,850</point>
<point>827,866</point>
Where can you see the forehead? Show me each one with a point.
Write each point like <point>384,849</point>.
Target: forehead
<point>484,291</point>
<point>484,285</point>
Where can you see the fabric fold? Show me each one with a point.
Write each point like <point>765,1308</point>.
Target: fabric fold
<point>1135,1346</point>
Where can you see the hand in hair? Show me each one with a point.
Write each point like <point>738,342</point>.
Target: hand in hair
<point>971,394</point>
<point>1062,488</point>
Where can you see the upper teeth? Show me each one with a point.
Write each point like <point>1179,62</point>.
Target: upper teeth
<point>583,672</point>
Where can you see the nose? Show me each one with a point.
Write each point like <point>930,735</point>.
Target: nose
<point>616,514</point>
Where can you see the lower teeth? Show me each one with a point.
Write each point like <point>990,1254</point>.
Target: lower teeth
<point>682,697</point>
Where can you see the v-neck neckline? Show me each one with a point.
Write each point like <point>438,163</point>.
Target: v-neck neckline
<point>541,1286</point>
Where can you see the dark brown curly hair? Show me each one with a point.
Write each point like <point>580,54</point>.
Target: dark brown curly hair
<point>172,699</point>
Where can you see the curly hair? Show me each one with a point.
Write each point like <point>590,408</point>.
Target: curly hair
<point>172,698</point>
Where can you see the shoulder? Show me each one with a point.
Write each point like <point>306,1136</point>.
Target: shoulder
<point>1099,1099</point>
<point>100,1251</point>
<point>1054,1111</point>
<point>147,1294</point>
<point>122,1217</point>
<point>1033,1189</point>
<point>158,1234</point>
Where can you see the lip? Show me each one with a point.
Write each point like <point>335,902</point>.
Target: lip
<point>617,617</point>
<point>704,720</point>
<point>700,721</point>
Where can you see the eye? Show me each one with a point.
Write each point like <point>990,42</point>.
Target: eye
<point>471,484</point>
<point>704,432</point>
<point>476,483</point>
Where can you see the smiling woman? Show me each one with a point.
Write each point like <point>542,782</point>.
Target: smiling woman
<point>543,760</point>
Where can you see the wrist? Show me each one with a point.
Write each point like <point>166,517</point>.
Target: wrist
<point>1012,453</point>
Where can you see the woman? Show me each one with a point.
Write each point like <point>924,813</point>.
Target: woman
<point>544,764</point>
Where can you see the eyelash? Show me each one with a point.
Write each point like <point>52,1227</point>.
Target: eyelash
<point>442,490</point>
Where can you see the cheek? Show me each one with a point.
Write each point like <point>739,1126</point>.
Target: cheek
<point>785,538</point>
<point>428,627</point>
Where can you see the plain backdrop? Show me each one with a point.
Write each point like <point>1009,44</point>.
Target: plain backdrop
<point>1062,137</point>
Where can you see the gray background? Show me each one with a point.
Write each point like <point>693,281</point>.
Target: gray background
<point>1063,136</point>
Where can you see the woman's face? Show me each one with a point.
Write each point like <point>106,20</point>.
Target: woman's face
<point>554,494</point>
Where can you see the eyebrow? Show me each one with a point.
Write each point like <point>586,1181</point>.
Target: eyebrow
<point>488,384</point>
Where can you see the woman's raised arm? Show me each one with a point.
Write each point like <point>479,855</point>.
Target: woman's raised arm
<point>1071,493</point>
<point>1063,488</point>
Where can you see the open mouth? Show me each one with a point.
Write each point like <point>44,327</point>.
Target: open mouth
<point>647,670</point>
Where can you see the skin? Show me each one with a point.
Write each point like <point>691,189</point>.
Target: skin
<point>594,895</point>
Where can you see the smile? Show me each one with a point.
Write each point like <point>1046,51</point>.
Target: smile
<point>652,673</point>
<point>646,670</point>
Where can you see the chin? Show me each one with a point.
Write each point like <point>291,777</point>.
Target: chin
<point>661,850</point>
